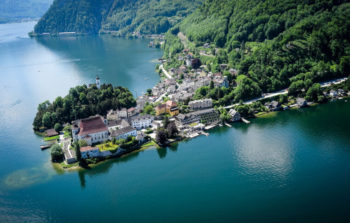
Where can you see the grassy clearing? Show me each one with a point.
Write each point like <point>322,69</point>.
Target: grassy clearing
<point>148,144</point>
<point>51,138</point>
<point>108,146</point>
<point>266,114</point>
<point>193,124</point>
<point>66,135</point>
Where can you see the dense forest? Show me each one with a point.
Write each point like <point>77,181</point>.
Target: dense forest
<point>82,102</point>
<point>121,16</point>
<point>273,43</point>
<point>16,10</point>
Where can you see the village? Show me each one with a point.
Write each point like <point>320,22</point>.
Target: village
<point>128,129</point>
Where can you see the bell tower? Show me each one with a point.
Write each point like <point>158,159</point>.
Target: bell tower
<point>97,82</point>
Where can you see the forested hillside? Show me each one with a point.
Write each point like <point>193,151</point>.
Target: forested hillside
<point>15,10</point>
<point>121,16</point>
<point>275,43</point>
<point>82,102</point>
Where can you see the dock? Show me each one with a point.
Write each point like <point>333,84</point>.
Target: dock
<point>209,127</point>
<point>46,146</point>
<point>205,133</point>
<point>245,121</point>
<point>228,125</point>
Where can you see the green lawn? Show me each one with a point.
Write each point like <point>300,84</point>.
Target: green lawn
<point>149,144</point>
<point>194,124</point>
<point>66,134</point>
<point>51,138</point>
<point>108,146</point>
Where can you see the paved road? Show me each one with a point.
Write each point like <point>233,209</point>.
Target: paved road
<point>161,97</point>
<point>165,72</point>
<point>285,91</point>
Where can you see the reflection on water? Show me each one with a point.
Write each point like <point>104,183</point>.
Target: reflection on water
<point>106,166</point>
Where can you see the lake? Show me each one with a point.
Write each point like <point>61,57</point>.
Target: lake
<point>291,167</point>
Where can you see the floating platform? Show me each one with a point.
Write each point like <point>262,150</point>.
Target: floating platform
<point>42,147</point>
<point>205,133</point>
<point>245,121</point>
<point>228,125</point>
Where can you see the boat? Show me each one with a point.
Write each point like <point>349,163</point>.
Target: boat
<point>45,146</point>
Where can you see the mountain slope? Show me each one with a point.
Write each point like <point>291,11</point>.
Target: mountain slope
<point>14,10</point>
<point>121,16</point>
<point>273,42</point>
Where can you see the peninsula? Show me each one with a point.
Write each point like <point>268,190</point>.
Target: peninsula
<point>226,60</point>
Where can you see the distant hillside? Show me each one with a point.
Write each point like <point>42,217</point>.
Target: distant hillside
<point>121,16</point>
<point>275,43</point>
<point>15,10</point>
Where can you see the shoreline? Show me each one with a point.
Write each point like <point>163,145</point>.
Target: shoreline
<point>75,167</point>
<point>263,114</point>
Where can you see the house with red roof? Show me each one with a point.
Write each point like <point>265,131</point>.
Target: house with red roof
<point>92,130</point>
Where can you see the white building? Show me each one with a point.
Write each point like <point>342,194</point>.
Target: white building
<point>89,152</point>
<point>122,113</point>
<point>142,121</point>
<point>92,130</point>
<point>201,104</point>
<point>123,133</point>
<point>235,116</point>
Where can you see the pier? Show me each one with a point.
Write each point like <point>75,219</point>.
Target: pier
<point>245,121</point>
<point>205,133</point>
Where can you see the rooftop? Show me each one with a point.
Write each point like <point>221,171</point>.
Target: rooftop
<point>92,125</point>
<point>87,148</point>
<point>122,131</point>
<point>141,117</point>
<point>51,132</point>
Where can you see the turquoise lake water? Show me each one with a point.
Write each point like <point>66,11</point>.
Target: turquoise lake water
<point>294,167</point>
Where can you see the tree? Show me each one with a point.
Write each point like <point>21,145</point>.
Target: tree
<point>82,143</point>
<point>56,153</point>
<point>224,115</point>
<point>58,127</point>
<point>149,91</point>
<point>148,109</point>
<point>196,63</point>
<point>77,151</point>
<point>314,92</point>
<point>161,136</point>
<point>295,87</point>
<point>246,89</point>
<point>165,122</point>
<point>46,120</point>
<point>345,65</point>
<point>283,98</point>
<point>211,86</point>
<point>172,130</point>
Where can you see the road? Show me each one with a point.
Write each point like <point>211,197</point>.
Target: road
<point>168,76</point>
<point>285,91</point>
<point>165,72</point>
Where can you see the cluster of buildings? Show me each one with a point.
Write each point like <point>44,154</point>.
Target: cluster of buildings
<point>98,129</point>
<point>169,107</point>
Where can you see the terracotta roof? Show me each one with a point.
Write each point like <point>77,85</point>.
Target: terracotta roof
<point>92,125</point>
<point>131,109</point>
<point>87,148</point>
<point>171,104</point>
<point>160,106</point>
